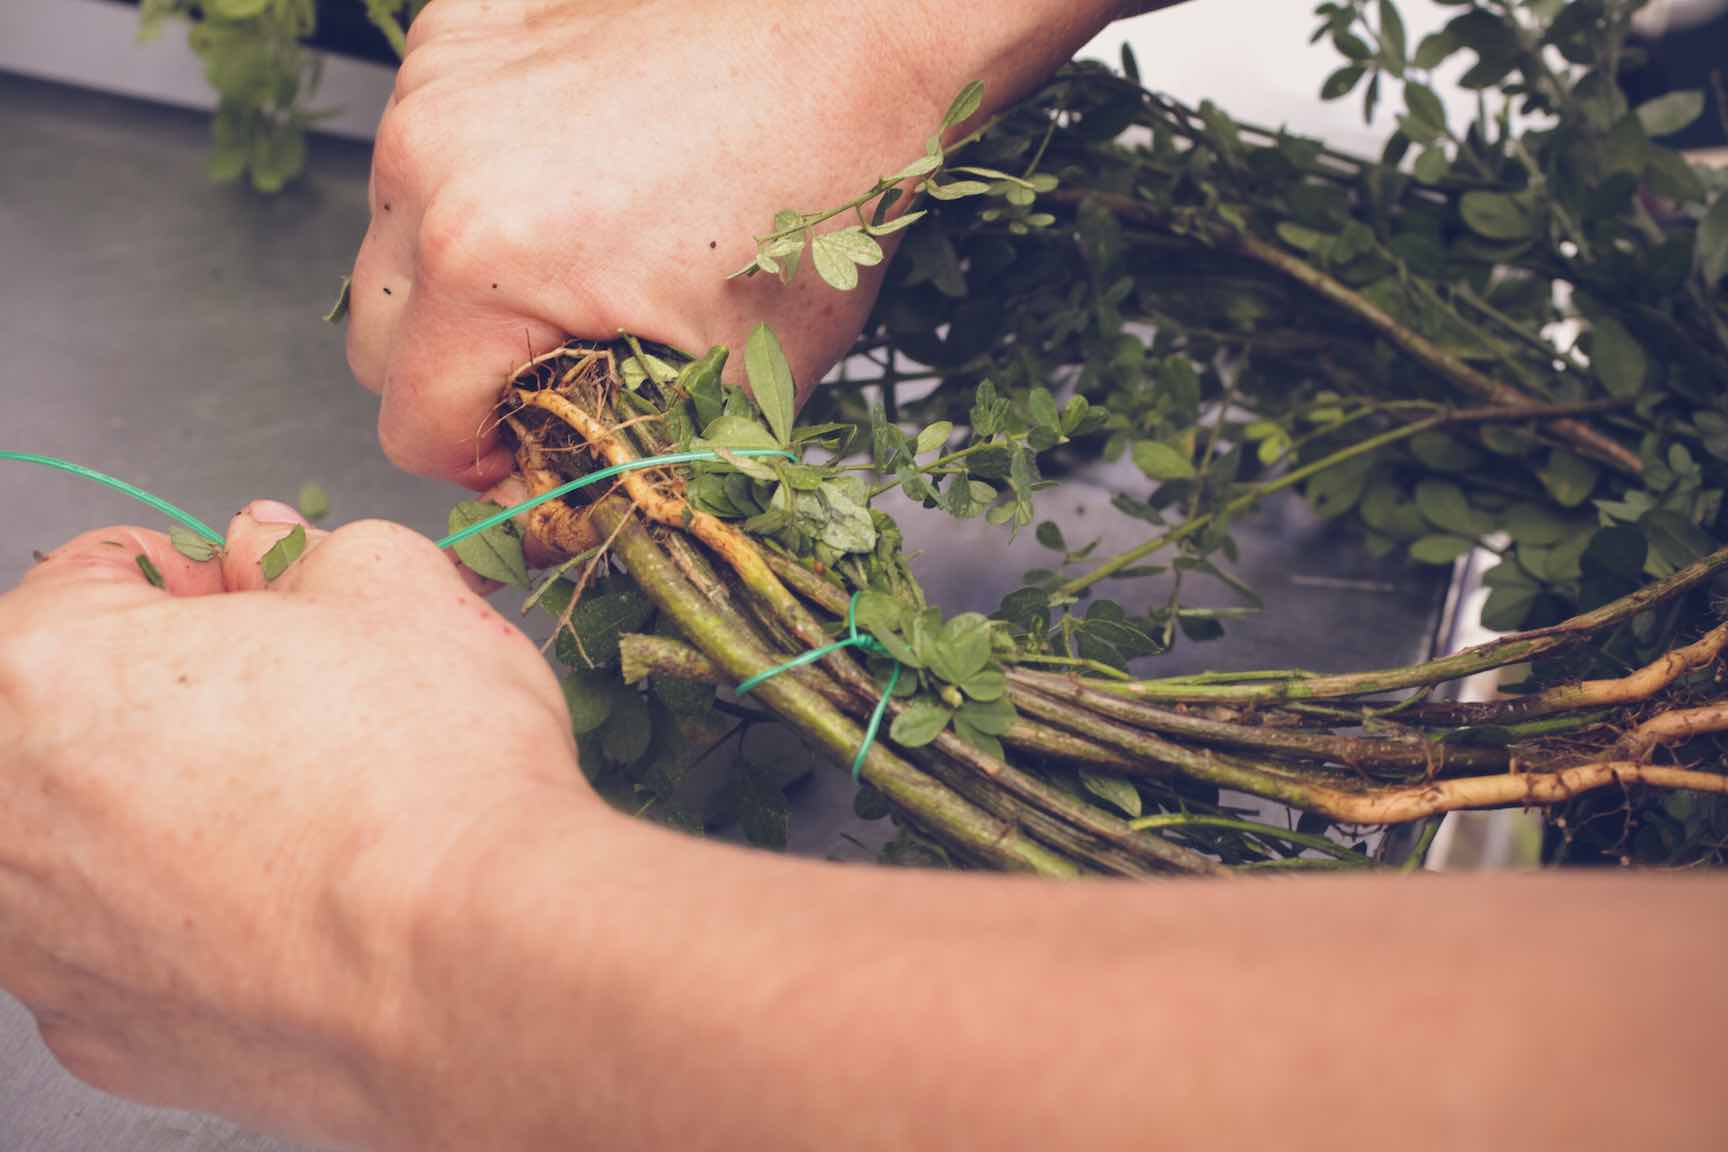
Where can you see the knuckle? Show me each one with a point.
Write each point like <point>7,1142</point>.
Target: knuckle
<point>410,135</point>
<point>420,66</point>
<point>460,239</point>
<point>374,543</point>
<point>432,22</point>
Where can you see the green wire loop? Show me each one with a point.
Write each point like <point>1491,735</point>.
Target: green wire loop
<point>119,485</point>
<point>854,639</point>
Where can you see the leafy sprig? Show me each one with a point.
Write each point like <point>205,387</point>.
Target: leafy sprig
<point>837,254</point>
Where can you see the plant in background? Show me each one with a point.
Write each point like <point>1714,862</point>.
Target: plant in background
<point>263,76</point>
<point>1509,333</point>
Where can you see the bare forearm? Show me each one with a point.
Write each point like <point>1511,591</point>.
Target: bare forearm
<point>632,989</point>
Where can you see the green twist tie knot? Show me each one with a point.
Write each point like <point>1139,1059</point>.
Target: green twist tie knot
<point>853,639</point>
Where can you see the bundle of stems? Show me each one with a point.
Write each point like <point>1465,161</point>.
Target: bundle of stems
<point>1345,747</point>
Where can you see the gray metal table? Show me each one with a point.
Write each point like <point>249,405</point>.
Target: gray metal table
<point>167,331</point>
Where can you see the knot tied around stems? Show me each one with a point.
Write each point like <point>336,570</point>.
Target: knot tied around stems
<point>853,639</point>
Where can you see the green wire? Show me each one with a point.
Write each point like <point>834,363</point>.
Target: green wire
<point>119,485</point>
<point>594,478</point>
<point>215,537</point>
<point>854,639</point>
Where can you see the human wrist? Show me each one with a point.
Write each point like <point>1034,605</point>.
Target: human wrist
<point>515,938</point>
<point>1010,47</point>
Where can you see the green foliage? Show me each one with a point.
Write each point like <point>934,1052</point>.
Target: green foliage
<point>264,78</point>
<point>495,553</point>
<point>314,501</point>
<point>152,574</point>
<point>839,253</point>
<point>191,545</point>
<point>282,554</point>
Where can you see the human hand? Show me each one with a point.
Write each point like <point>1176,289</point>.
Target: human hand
<point>222,807</point>
<point>554,168</point>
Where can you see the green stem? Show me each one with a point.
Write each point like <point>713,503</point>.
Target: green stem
<point>1408,756</point>
<point>948,460</point>
<point>1511,649</point>
<point>1253,495</point>
<point>1494,414</point>
<point>1448,365</point>
<point>1424,841</point>
<point>933,805</point>
<point>1180,820</point>
<point>1096,666</point>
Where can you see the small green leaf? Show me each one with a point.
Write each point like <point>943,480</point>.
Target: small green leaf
<point>1339,83</point>
<point>922,166</point>
<point>1041,406</point>
<point>919,723</point>
<point>837,256</point>
<point>934,436</point>
<point>763,813</point>
<point>1674,538</point>
<point>629,730</point>
<point>1535,525</point>
<point>1498,216</point>
<point>733,432</point>
<point>635,369</point>
<point>496,553</point>
<point>283,553</point>
<point>1305,239</point>
<point>1618,552</point>
<point>1569,479</point>
<point>236,9</point>
<point>1446,507</point>
<point>1507,608</point>
<point>991,717</point>
<point>588,696</point>
<point>1049,534</point>
<point>904,220</point>
<point>596,625</point>
<point>314,502</point>
<point>1617,358</point>
<point>1712,244</point>
<point>1159,461</point>
<point>1439,549</point>
<point>1671,112</point>
<point>987,685</point>
<point>965,105</point>
<point>191,545</point>
<point>1670,175</point>
<point>1424,104</point>
<point>956,190</point>
<point>771,381</point>
<point>1118,792</point>
<point>151,573</point>
<point>1444,453</point>
<point>1336,490</point>
<point>1431,165</point>
<point>1393,41</point>
<point>1432,49</point>
<point>962,649</point>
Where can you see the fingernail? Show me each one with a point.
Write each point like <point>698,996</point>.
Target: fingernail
<point>273,512</point>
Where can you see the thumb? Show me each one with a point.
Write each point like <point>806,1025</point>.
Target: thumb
<point>258,528</point>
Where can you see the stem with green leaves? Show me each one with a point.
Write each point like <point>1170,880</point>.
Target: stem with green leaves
<point>937,808</point>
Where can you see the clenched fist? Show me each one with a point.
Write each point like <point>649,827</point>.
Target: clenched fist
<point>550,168</point>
